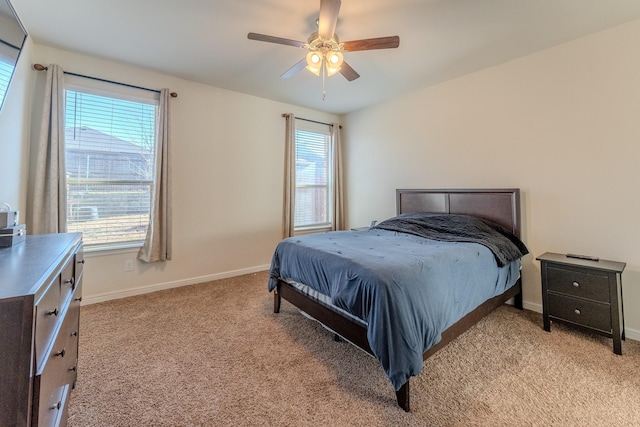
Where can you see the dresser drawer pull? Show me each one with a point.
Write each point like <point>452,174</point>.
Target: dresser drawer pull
<point>53,312</point>
<point>74,333</point>
<point>72,369</point>
<point>56,406</point>
<point>60,353</point>
<point>70,281</point>
<point>78,299</point>
<point>576,284</point>
<point>577,311</point>
<point>81,261</point>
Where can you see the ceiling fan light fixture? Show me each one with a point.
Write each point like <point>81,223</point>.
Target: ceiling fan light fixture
<point>314,62</point>
<point>334,62</point>
<point>324,49</point>
<point>335,59</point>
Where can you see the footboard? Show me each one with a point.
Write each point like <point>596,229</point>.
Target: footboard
<point>350,331</point>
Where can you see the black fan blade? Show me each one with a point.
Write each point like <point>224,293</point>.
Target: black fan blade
<point>272,39</point>
<point>348,72</point>
<point>390,42</point>
<point>328,17</point>
<point>293,70</point>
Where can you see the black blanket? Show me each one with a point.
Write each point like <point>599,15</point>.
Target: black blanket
<point>505,246</point>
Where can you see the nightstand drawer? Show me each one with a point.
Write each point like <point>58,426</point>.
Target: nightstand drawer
<point>585,285</point>
<point>582,312</point>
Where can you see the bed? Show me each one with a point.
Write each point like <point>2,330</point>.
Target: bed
<point>344,281</point>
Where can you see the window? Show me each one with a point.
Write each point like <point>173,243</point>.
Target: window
<point>110,157</point>
<point>6,69</point>
<point>314,171</point>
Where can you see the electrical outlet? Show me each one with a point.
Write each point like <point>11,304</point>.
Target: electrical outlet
<point>128,265</point>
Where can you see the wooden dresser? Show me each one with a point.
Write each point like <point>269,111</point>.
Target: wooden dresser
<point>40,294</point>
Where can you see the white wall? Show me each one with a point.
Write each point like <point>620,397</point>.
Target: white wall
<point>227,173</point>
<point>563,125</point>
<point>14,134</point>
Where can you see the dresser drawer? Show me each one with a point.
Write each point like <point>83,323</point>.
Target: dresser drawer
<point>585,285</point>
<point>71,330</point>
<point>67,283</point>
<point>582,312</point>
<point>48,313</point>
<point>50,380</point>
<point>51,405</point>
<point>79,259</point>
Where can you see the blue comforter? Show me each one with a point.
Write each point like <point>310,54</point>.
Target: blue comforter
<point>408,289</point>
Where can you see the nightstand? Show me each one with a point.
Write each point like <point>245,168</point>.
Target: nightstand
<point>583,293</point>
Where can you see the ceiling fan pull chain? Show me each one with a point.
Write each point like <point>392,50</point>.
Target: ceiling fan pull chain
<point>323,71</point>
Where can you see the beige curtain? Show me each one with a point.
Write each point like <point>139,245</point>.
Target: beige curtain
<point>338,188</point>
<point>48,211</point>
<point>157,244</point>
<point>289,176</point>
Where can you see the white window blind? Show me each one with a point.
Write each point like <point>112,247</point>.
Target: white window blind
<point>314,160</point>
<point>6,70</point>
<point>110,156</point>
<point>8,56</point>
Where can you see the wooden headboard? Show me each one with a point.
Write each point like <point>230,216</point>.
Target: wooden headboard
<point>501,206</point>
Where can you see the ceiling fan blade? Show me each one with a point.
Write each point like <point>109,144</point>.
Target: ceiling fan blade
<point>272,39</point>
<point>328,17</point>
<point>369,44</point>
<point>293,70</point>
<point>348,72</point>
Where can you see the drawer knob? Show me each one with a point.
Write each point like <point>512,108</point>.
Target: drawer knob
<point>81,261</point>
<point>577,311</point>
<point>53,312</point>
<point>70,281</point>
<point>576,284</point>
<point>60,353</point>
<point>56,406</point>
<point>72,369</point>
<point>74,333</point>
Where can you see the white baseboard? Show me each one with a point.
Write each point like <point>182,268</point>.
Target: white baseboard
<point>532,306</point>
<point>629,333</point>
<point>108,296</point>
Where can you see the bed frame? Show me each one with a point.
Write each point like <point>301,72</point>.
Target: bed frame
<point>501,206</point>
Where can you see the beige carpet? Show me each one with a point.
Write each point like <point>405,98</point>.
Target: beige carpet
<point>216,354</point>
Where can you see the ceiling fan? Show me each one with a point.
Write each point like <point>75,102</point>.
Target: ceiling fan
<point>325,50</point>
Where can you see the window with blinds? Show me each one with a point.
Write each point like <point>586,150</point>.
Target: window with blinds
<point>110,157</point>
<point>314,160</point>
<point>6,70</point>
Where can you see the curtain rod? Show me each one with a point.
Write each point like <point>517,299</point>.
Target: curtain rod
<point>312,121</point>
<point>41,67</point>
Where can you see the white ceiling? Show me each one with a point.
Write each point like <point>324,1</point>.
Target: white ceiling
<point>206,40</point>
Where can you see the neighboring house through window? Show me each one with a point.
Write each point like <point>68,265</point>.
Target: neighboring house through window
<point>110,146</point>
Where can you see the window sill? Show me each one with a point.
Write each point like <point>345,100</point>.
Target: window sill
<point>115,249</point>
<point>311,230</point>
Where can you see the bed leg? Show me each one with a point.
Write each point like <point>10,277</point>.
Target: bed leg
<point>402,396</point>
<point>517,299</point>
<point>276,300</point>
